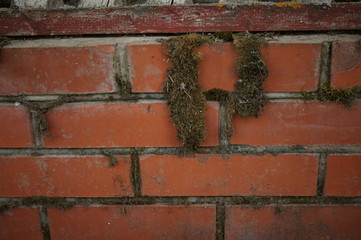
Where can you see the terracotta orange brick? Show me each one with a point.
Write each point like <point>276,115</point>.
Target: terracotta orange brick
<point>345,64</point>
<point>15,127</point>
<point>212,175</point>
<point>133,222</point>
<point>293,222</point>
<point>57,70</point>
<point>292,67</point>
<point>65,176</point>
<point>343,175</point>
<point>20,223</point>
<point>120,124</point>
<point>298,123</point>
<point>148,67</point>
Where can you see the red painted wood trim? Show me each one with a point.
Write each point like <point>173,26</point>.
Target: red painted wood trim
<point>179,19</point>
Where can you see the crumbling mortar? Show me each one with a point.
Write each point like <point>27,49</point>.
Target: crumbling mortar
<point>322,163</point>
<point>257,202</point>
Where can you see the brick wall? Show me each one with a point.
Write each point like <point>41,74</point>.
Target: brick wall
<point>108,166</point>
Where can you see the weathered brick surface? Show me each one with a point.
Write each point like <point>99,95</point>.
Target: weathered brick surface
<point>298,123</point>
<point>57,70</point>
<point>20,223</point>
<point>133,222</point>
<point>66,176</point>
<point>211,175</point>
<point>15,127</point>
<point>343,175</point>
<point>293,222</point>
<point>292,67</point>
<point>346,64</point>
<point>120,124</point>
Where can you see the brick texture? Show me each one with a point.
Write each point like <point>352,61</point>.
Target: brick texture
<point>20,223</point>
<point>211,175</point>
<point>133,222</point>
<point>346,64</point>
<point>292,67</point>
<point>120,124</point>
<point>293,222</point>
<point>67,176</point>
<point>343,175</point>
<point>298,123</point>
<point>57,70</point>
<point>15,128</point>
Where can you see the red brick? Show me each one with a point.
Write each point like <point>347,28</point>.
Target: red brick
<point>343,175</point>
<point>211,175</point>
<point>120,124</point>
<point>20,223</point>
<point>292,67</point>
<point>148,67</point>
<point>346,64</point>
<point>294,222</point>
<point>57,70</point>
<point>133,222</point>
<point>15,127</point>
<point>298,123</point>
<point>65,176</point>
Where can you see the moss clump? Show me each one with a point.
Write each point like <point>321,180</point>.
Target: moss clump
<point>124,86</point>
<point>183,91</point>
<point>223,97</point>
<point>4,41</point>
<point>325,93</point>
<point>112,159</point>
<point>252,72</point>
<point>225,36</point>
<point>41,109</point>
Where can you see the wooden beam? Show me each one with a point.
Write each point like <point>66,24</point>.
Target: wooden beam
<point>180,19</point>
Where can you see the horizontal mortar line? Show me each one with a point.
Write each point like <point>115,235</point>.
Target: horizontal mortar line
<point>109,97</point>
<point>182,200</point>
<point>229,149</point>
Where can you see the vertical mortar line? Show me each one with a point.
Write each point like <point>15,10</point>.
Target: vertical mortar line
<point>325,64</point>
<point>322,161</point>
<point>224,140</point>
<point>220,220</point>
<point>121,65</point>
<point>36,129</point>
<point>135,174</point>
<point>44,223</point>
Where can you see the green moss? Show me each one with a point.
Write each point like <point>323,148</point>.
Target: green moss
<point>183,91</point>
<point>225,36</point>
<point>125,87</point>
<point>112,159</point>
<point>325,93</point>
<point>223,97</point>
<point>252,72</point>
<point>4,41</point>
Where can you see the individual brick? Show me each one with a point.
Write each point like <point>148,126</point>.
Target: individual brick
<point>133,222</point>
<point>20,223</point>
<point>15,127</point>
<point>212,175</point>
<point>65,176</point>
<point>55,70</point>
<point>293,222</point>
<point>343,175</point>
<point>292,67</point>
<point>298,123</point>
<point>120,125</point>
<point>345,64</point>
